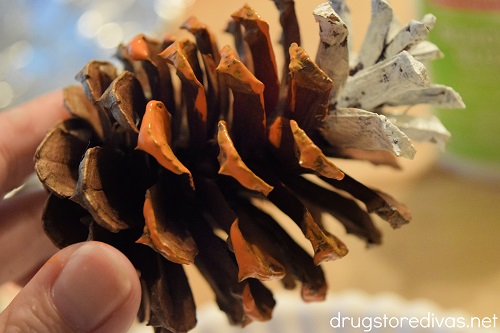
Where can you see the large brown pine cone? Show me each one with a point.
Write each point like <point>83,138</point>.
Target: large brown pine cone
<point>181,163</point>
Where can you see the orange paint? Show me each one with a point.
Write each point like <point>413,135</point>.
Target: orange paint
<point>138,48</point>
<point>155,138</point>
<point>232,165</point>
<point>232,66</point>
<point>311,156</point>
<point>196,27</point>
<point>326,247</point>
<point>275,132</point>
<point>175,55</point>
<point>252,261</point>
<point>249,14</point>
<point>310,74</point>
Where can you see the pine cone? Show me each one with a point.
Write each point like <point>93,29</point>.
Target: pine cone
<point>171,169</point>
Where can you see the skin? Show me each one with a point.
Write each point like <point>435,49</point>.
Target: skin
<point>108,293</point>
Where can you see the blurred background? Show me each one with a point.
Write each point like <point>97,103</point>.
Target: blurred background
<point>449,254</point>
<point>43,44</point>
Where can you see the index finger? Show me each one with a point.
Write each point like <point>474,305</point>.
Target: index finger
<point>22,128</point>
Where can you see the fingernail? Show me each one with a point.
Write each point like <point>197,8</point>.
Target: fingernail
<point>91,286</point>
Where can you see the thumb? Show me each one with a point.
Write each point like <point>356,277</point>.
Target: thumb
<point>86,287</point>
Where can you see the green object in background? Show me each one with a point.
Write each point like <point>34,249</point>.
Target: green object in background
<point>468,33</point>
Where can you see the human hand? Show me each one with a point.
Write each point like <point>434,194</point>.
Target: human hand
<point>86,287</point>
